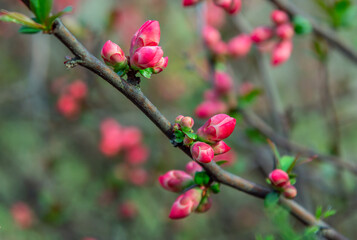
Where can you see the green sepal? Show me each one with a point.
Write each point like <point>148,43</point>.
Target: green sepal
<point>215,187</point>
<point>201,178</point>
<point>302,26</point>
<point>188,132</point>
<point>147,72</point>
<point>41,9</point>
<point>219,163</point>
<point>271,199</point>
<point>29,30</point>
<point>179,136</point>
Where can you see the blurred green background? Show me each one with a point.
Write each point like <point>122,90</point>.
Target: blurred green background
<point>54,165</point>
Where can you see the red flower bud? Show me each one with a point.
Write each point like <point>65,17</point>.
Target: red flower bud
<point>186,203</point>
<point>231,6</point>
<point>175,180</point>
<point>111,140</point>
<point>205,205</point>
<point>217,128</point>
<point>211,36</point>
<point>127,210</point>
<point>281,53</point>
<point>192,167</point>
<point>220,148</point>
<point>285,31</point>
<point>131,136</point>
<point>68,106</point>
<point>214,15</point>
<point>240,45</point>
<point>137,155</point>
<point>146,57</point>
<point>147,35</point>
<point>22,214</point>
<point>202,152</point>
<point>178,118</point>
<point>290,191</point>
<point>187,122</point>
<point>78,89</point>
<point>223,83</point>
<point>261,34</point>
<point>187,141</point>
<point>161,65</point>
<point>138,176</point>
<point>187,3</point>
<point>113,55</point>
<point>230,157</point>
<point>220,48</point>
<point>209,108</point>
<point>279,178</point>
<point>279,17</point>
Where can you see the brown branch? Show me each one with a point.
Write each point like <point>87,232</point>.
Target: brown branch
<point>256,122</point>
<point>326,34</point>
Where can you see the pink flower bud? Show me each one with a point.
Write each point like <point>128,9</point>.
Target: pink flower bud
<point>187,141</point>
<point>146,57</point>
<point>220,148</point>
<point>211,36</point>
<point>230,157</point>
<point>281,53</point>
<point>279,17</point>
<point>22,214</point>
<point>113,55</point>
<point>176,127</point>
<point>131,136</point>
<point>279,178</point>
<point>111,140</point>
<point>137,155</point>
<point>246,88</point>
<point>231,6</point>
<point>285,31</point>
<point>138,176</point>
<point>217,128</point>
<point>261,34</point>
<point>223,83</point>
<point>186,203</point>
<point>127,210</point>
<point>78,89</point>
<point>214,15</point>
<point>179,118</point>
<point>175,180</point>
<point>187,3</point>
<point>68,106</point>
<point>209,108</point>
<point>290,191</point>
<point>202,152</point>
<point>161,65</point>
<point>210,95</point>
<point>192,167</point>
<point>147,35</point>
<point>220,48</point>
<point>240,45</point>
<point>187,122</point>
<point>205,205</point>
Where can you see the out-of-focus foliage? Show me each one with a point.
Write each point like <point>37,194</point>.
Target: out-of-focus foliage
<point>55,166</point>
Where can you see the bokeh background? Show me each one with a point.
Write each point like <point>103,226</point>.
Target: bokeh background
<point>54,176</point>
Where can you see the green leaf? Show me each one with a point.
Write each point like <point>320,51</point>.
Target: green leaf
<point>219,163</point>
<point>201,178</point>
<point>29,30</point>
<point>271,199</point>
<point>302,26</point>
<point>59,14</point>
<point>329,213</point>
<point>19,18</point>
<point>215,187</point>
<point>292,181</point>
<point>311,230</point>
<point>268,181</point>
<point>41,9</point>
<point>285,162</point>
<point>147,72</point>
<point>318,212</point>
<point>179,136</point>
<point>249,98</point>
<point>190,134</point>
<point>255,136</point>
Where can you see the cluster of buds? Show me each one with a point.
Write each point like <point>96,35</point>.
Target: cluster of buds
<point>195,187</point>
<point>230,6</point>
<point>278,38</point>
<point>208,141</point>
<point>22,215</point>
<point>116,138</point>
<point>280,180</point>
<point>236,47</point>
<point>71,98</point>
<point>146,56</point>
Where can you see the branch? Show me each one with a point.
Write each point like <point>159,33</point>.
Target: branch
<point>326,34</point>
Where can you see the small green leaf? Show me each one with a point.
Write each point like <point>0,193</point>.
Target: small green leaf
<point>329,213</point>
<point>318,212</point>
<point>179,136</point>
<point>41,9</point>
<point>59,14</point>
<point>191,135</point>
<point>268,181</point>
<point>29,30</point>
<point>201,178</point>
<point>147,72</point>
<point>255,136</point>
<point>302,26</point>
<point>219,163</point>
<point>249,98</point>
<point>311,230</point>
<point>19,18</point>
<point>292,181</point>
<point>271,199</point>
<point>285,162</point>
<point>215,187</point>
